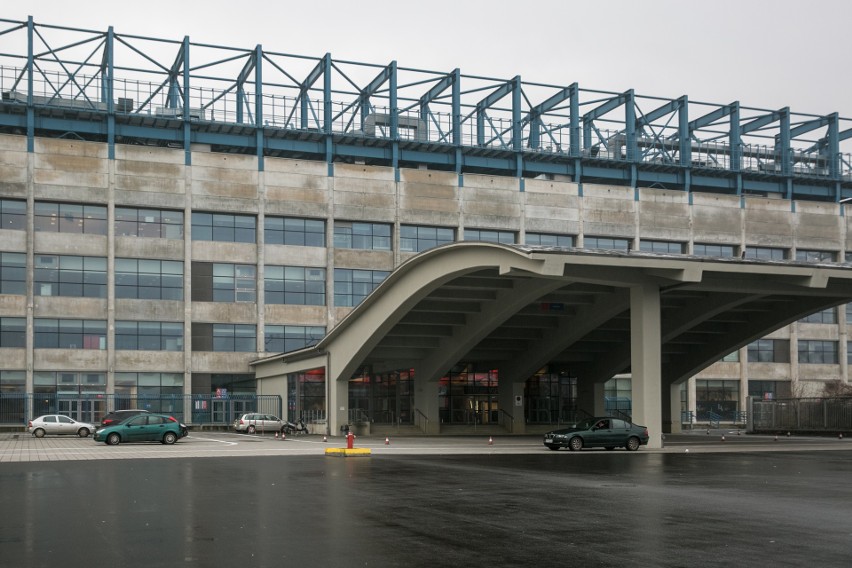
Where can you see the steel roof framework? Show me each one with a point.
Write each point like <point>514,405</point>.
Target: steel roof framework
<point>128,89</point>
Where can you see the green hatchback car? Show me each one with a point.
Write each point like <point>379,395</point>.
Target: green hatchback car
<point>142,428</point>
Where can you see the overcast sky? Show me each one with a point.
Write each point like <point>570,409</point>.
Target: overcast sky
<point>764,53</point>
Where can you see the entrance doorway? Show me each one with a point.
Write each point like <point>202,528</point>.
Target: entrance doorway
<point>469,397</point>
<point>82,410</point>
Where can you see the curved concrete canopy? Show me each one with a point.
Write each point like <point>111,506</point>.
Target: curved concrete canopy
<point>517,308</point>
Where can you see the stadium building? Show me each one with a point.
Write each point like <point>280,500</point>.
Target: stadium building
<point>183,223</point>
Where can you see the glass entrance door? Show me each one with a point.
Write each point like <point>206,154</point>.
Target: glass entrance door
<point>82,410</point>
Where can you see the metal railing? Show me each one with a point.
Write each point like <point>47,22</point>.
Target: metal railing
<point>801,414</point>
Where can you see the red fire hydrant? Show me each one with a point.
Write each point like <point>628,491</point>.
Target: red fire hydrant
<point>350,440</point>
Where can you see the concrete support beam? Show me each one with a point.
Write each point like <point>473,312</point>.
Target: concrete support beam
<point>673,421</point>
<point>338,405</point>
<point>590,397</point>
<point>427,412</point>
<point>509,392</point>
<point>645,360</point>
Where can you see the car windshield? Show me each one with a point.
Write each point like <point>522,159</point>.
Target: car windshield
<point>584,424</point>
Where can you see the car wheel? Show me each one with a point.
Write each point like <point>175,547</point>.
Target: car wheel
<point>38,433</point>
<point>169,438</point>
<point>632,444</point>
<point>552,447</point>
<point>113,439</point>
<point>83,432</point>
<point>251,429</point>
<point>576,443</point>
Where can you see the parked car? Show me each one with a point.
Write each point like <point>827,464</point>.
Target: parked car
<point>58,424</point>
<point>117,416</point>
<point>145,427</point>
<point>599,432</point>
<point>255,422</point>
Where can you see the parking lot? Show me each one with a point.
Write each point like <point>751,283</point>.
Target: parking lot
<point>220,498</point>
<point>22,447</point>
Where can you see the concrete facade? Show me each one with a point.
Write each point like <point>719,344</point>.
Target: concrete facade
<point>71,171</point>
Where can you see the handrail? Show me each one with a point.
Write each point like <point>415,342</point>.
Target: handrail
<point>418,415</point>
<point>510,417</point>
<point>715,419</point>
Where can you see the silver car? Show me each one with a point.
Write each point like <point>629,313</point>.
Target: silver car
<point>58,424</point>
<point>256,422</point>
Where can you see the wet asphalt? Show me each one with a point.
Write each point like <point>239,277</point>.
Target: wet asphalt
<point>593,508</point>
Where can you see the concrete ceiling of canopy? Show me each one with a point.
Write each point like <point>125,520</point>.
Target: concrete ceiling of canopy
<point>518,308</point>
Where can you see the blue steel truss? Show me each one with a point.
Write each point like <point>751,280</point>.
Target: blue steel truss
<point>127,89</point>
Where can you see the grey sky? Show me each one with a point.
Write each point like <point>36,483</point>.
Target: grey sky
<point>764,53</point>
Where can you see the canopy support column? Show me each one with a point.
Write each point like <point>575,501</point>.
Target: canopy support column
<point>645,360</point>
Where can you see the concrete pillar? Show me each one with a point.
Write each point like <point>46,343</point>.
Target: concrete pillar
<point>590,397</point>
<point>675,424</point>
<point>645,360</point>
<point>426,409</point>
<point>509,394</point>
<point>338,405</point>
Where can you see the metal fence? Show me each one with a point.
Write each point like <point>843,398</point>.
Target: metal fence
<point>193,409</point>
<point>801,414</point>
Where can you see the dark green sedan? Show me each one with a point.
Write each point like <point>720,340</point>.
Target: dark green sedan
<point>142,428</point>
<point>600,432</point>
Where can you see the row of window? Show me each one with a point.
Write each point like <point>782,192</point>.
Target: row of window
<point>65,382</point>
<point>86,277</point>
<point>224,227</point>
<point>778,351</point>
<point>155,336</point>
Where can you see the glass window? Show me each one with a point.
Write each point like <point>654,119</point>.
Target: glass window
<point>146,279</point>
<point>224,228</point>
<point>357,235</point>
<point>234,337</point>
<point>766,253</point>
<point>661,246</point>
<point>769,390</point>
<point>803,255</point>
<point>732,357</point>
<point>715,399</point>
<point>13,382</point>
<point>352,286</point>
<point>234,282</point>
<point>606,243</point>
<point>294,285</point>
<point>69,334</point>
<point>152,385</point>
<point>13,214</point>
<point>769,351</point>
<point>151,223</point>
<point>75,276</point>
<point>704,249</point>
<point>13,273</point>
<point>415,238</point>
<point>816,352</point>
<point>548,240</point>
<point>149,335</point>
<point>70,218</point>
<point>825,316</point>
<point>13,332</point>
<point>283,338</point>
<point>489,236</point>
<point>294,231</point>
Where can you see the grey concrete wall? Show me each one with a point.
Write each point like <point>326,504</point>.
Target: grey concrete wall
<point>80,172</point>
